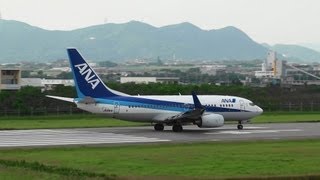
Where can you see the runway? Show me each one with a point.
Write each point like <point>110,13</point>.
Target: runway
<point>146,134</point>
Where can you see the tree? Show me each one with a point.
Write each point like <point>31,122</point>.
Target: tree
<point>65,75</point>
<point>27,98</point>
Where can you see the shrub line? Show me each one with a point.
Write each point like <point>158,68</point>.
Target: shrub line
<point>36,166</point>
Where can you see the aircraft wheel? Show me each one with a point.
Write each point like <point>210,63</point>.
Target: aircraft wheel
<point>240,126</point>
<point>177,128</point>
<point>158,127</point>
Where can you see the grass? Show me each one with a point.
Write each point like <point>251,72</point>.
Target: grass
<point>37,169</point>
<point>287,117</point>
<point>62,121</point>
<point>201,160</point>
<point>18,173</point>
<point>89,120</point>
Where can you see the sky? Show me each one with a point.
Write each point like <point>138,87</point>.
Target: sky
<point>265,21</point>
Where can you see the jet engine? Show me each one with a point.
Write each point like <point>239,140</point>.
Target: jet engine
<point>210,120</point>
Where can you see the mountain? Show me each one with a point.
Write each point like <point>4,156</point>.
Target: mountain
<point>314,46</point>
<point>297,53</point>
<point>22,42</point>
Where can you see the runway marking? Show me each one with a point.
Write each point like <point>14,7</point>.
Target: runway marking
<point>46,137</point>
<point>214,140</point>
<point>254,127</point>
<point>239,132</point>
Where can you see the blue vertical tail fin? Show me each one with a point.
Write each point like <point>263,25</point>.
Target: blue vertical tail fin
<point>196,101</point>
<point>87,82</point>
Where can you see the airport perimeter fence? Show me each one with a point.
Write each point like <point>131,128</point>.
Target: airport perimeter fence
<point>42,111</point>
<point>56,111</point>
<point>288,106</point>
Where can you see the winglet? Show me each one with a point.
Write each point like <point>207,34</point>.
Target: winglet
<point>197,104</point>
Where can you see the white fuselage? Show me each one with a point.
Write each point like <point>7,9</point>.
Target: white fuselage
<point>230,107</point>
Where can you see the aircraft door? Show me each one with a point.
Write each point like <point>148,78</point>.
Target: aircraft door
<point>116,107</point>
<point>242,106</point>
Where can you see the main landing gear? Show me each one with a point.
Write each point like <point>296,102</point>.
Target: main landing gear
<point>240,126</point>
<point>177,128</point>
<point>158,127</point>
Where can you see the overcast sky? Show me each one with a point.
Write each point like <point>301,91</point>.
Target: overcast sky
<point>270,21</point>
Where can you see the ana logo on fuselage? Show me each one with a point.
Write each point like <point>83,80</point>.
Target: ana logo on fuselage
<point>228,100</point>
<point>91,79</point>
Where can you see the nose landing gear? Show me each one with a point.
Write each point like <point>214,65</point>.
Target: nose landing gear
<point>240,126</point>
<point>158,127</point>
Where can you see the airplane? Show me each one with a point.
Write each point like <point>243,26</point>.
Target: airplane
<point>205,111</point>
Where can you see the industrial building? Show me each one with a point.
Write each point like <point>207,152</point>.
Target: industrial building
<point>277,71</point>
<point>10,78</point>
<point>46,84</point>
<point>213,70</point>
<point>272,67</point>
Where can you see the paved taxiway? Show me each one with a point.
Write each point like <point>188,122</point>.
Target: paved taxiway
<point>87,136</point>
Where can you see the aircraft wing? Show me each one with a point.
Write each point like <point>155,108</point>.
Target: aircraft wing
<point>190,115</point>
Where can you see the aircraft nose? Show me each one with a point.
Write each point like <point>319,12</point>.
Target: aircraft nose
<point>259,110</point>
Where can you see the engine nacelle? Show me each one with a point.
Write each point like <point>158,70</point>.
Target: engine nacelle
<point>211,120</point>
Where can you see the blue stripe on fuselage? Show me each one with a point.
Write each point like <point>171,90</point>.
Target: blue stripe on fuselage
<point>157,104</point>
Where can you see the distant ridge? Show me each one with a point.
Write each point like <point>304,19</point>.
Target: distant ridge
<point>22,42</point>
<point>297,53</point>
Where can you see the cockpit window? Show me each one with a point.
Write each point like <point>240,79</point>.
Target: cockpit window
<point>251,104</point>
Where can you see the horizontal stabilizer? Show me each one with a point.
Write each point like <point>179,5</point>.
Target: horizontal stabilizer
<point>87,100</point>
<point>61,98</point>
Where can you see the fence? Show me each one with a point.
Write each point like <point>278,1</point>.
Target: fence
<point>288,106</point>
<point>42,111</point>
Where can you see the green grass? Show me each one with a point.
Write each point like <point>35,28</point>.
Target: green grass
<point>20,173</point>
<point>284,117</point>
<point>30,170</point>
<point>89,120</point>
<point>62,121</point>
<point>202,160</point>
<point>12,173</point>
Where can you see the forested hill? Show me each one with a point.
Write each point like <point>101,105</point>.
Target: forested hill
<point>22,42</point>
